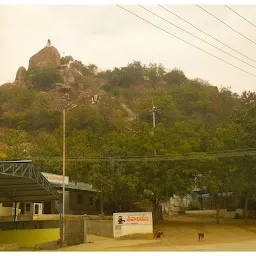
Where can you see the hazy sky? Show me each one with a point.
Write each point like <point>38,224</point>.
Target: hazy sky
<point>110,37</point>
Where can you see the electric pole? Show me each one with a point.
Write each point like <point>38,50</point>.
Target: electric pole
<point>154,110</point>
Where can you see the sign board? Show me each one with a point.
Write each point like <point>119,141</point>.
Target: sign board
<point>55,179</point>
<point>132,223</point>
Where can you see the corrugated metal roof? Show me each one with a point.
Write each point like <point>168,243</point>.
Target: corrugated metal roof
<point>78,186</point>
<point>20,181</point>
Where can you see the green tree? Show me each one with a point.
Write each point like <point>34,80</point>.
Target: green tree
<point>176,76</point>
<point>45,145</point>
<point>215,177</point>
<point>83,117</point>
<point>43,78</point>
<point>17,140</point>
<point>115,182</point>
<point>155,73</point>
<point>167,112</point>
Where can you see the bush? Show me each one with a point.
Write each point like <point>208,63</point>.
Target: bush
<point>194,205</point>
<point>176,76</point>
<point>44,78</point>
<point>238,216</point>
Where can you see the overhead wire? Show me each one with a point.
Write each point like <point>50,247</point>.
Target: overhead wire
<point>197,37</point>
<point>167,157</point>
<point>240,15</point>
<point>187,42</point>
<point>150,159</point>
<point>200,30</point>
<point>226,24</point>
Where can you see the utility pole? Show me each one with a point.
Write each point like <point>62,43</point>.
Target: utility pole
<point>62,205</point>
<point>63,172</point>
<point>154,110</point>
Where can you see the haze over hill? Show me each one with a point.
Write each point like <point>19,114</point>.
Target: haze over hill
<point>111,117</point>
<point>91,34</point>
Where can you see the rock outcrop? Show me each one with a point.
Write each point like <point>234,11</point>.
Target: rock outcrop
<point>69,77</point>
<point>21,75</point>
<point>48,57</point>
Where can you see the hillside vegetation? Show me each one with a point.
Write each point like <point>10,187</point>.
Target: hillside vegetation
<point>192,116</point>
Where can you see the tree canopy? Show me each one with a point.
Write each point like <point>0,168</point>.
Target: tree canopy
<point>192,116</point>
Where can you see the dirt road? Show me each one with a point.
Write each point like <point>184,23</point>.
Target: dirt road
<point>180,235</point>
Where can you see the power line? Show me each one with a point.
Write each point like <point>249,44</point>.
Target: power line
<point>226,24</point>
<point>206,33</point>
<point>197,37</point>
<point>157,158</point>
<point>167,157</point>
<point>239,15</point>
<point>187,42</point>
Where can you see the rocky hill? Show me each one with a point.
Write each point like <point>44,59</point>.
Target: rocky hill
<point>48,57</point>
<point>63,80</point>
<point>128,92</point>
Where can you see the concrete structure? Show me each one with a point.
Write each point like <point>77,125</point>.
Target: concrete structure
<point>30,237</point>
<point>9,247</point>
<point>20,181</point>
<point>29,224</point>
<point>95,98</point>
<point>201,201</point>
<point>49,44</point>
<point>34,233</point>
<point>99,228</point>
<point>132,223</point>
<point>75,231</point>
<point>80,198</point>
<point>224,213</point>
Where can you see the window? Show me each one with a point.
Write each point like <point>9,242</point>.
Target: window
<point>27,207</point>
<point>79,199</point>
<point>91,201</point>
<point>7,204</point>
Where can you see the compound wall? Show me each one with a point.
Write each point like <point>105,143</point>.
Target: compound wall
<point>74,231</point>
<point>30,237</point>
<point>99,227</point>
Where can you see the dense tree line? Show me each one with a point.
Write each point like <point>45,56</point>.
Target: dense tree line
<point>192,116</point>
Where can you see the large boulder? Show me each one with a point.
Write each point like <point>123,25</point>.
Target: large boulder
<point>21,75</point>
<point>48,57</point>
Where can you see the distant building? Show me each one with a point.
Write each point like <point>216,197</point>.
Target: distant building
<point>80,198</point>
<point>48,43</point>
<point>95,98</point>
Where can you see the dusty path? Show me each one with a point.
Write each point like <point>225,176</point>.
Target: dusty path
<point>180,235</point>
<point>144,245</point>
<point>245,246</point>
<point>107,244</point>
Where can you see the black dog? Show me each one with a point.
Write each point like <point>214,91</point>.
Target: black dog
<point>200,235</point>
<point>158,233</point>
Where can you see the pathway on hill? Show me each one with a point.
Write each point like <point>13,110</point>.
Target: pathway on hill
<point>131,115</point>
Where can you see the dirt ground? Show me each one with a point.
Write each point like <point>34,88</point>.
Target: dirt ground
<point>179,234</point>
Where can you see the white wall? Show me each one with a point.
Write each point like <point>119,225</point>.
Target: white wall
<point>132,223</point>
<point>223,213</point>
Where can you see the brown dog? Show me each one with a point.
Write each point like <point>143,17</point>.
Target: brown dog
<point>200,235</point>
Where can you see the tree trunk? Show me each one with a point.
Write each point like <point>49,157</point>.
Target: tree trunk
<point>160,212</point>
<point>116,207</point>
<point>246,207</point>
<point>15,214</point>
<point>155,210</point>
<point>101,204</point>
<point>218,204</point>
